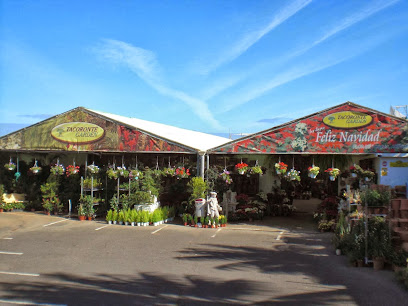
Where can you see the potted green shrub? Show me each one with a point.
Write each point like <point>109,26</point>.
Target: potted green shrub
<point>121,217</point>
<point>81,212</point>
<point>109,216</point>
<point>185,219</point>
<point>115,217</point>
<point>195,221</point>
<point>379,243</point>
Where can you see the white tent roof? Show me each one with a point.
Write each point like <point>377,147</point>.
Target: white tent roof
<point>196,140</point>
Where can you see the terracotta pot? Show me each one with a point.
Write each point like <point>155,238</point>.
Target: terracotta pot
<point>81,218</point>
<point>1,210</point>
<point>90,218</point>
<point>185,223</point>
<point>48,213</point>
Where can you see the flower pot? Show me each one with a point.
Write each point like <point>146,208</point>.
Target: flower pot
<point>109,222</point>
<point>48,213</point>
<point>367,179</point>
<point>132,223</point>
<point>139,223</point>
<point>338,252</point>
<point>353,174</point>
<point>1,210</point>
<point>332,178</point>
<point>120,222</point>
<point>378,263</point>
<point>115,222</point>
<point>126,223</point>
<point>81,218</point>
<point>312,175</point>
<point>89,218</point>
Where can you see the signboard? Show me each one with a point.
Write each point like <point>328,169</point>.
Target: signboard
<point>77,132</point>
<point>347,120</point>
<point>347,128</point>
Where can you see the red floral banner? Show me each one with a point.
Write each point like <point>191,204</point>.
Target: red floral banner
<point>348,128</point>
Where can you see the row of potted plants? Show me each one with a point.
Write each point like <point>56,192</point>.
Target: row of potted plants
<point>243,168</point>
<point>134,217</point>
<point>205,222</point>
<point>11,206</point>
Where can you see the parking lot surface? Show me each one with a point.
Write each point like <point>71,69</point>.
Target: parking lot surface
<point>51,260</point>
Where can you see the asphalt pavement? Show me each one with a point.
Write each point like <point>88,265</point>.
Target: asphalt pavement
<point>51,260</point>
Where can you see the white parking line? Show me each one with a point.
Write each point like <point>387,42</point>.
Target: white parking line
<point>19,273</point>
<point>55,222</point>
<point>99,228</point>
<point>8,238</point>
<point>10,253</point>
<point>280,235</point>
<point>216,232</point>
<point>159,229</point>
<point>29,303</point>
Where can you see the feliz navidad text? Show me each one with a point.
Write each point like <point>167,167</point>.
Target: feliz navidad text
<point>324,136</point>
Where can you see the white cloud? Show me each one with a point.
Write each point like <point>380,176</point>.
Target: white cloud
<point>144,64</point>
<point>251,38</point>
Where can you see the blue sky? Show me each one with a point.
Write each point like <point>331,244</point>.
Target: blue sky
<point>212,66</point>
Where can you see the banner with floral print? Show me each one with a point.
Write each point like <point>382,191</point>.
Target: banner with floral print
<point>347,128</point>
<point>82,130</point>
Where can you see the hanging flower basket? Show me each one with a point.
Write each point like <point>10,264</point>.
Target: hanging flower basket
<point>93,169</point>
<point>10,166</point>
<point>294,175</point>
<point>35,169</point>
<point>367,175</point>
<point>181,172</point>
<point>333,173</point>
<point>169,171</point>
<point>72,170</point>
<point>226,178</point>
<point>112,173</point>
<point>313,171</point>
<point>122,171</point>
<point>242,168</point>
<point>281,168</point>
<point>256,170</point>
<point>135,174</point>
<point>57,169</point>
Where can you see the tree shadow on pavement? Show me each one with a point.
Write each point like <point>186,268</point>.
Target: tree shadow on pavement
<point>311,266</point>
<point>143,289</point>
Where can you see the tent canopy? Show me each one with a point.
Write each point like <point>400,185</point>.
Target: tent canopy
<point>347,128</point>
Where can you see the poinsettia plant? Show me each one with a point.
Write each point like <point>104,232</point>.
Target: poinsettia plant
<point>242,168</point>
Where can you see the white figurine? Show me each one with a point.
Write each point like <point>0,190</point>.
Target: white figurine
<point>212,206</point>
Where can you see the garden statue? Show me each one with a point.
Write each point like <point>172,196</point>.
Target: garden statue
<point>212,206</point>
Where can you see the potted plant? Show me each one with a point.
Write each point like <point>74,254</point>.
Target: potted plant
<point>242,168</point>
<point>195,221</point>
<point>115,217</point>
<point>81,212</point>
<point>368,175</point>
<point>10,166</point>
<point>135,174</point>
<point>181,172</point>
<point>72,170</point>
<point>122,171</point>
<point>379,244</point>
<point>57,169</point>
<point>281,168</point>
<point>333,173</point>
<point>294,175</point>
<point>121,217</point>
<point>35,169</point>
<point>112,173</point>
<point>48,206</point>
<point>93,169</point>
<point>313,171</point>
<point>109,216</point>
<point>225,177</point>
<point>170,171</point>
<point>256,170</point>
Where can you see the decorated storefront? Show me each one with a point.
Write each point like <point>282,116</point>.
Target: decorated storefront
<point>319,153</point>
<point>72,144</point>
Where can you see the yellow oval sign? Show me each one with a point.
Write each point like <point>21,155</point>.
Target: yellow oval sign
<point>77,132</point>
<point>347,120</point>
